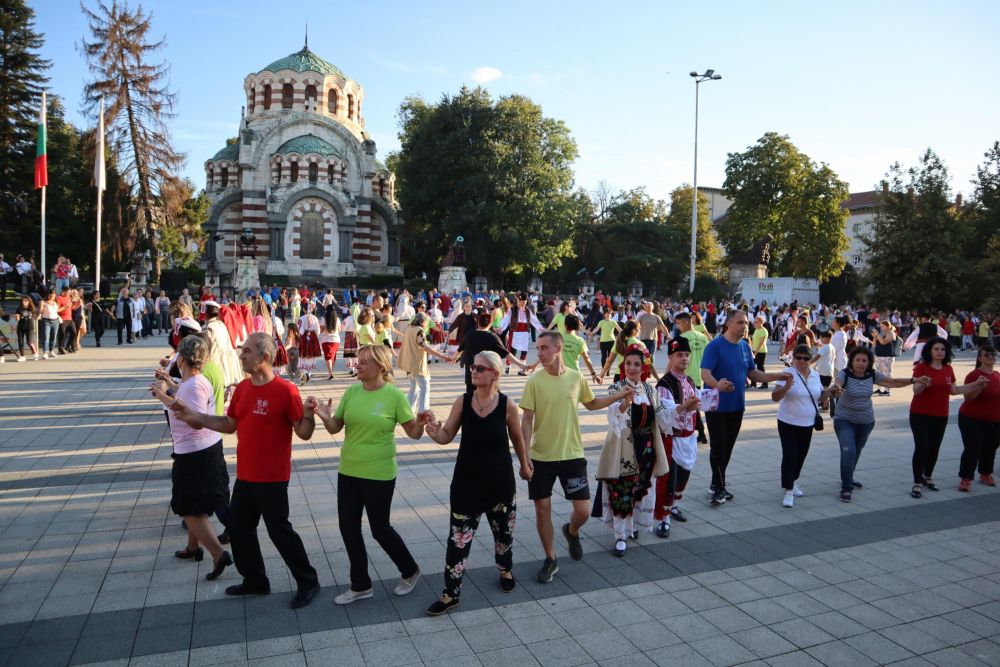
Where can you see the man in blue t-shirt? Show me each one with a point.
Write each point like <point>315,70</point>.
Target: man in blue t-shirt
<point>726,365</point>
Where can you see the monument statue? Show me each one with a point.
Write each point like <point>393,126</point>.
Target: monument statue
<point>452,275</point>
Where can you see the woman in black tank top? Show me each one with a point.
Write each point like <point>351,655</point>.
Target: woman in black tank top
<point>483,482</point>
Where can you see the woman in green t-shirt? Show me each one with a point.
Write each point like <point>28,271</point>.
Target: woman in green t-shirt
<point>608,328</point>
<point>626,338</point>
<point>369,412</point>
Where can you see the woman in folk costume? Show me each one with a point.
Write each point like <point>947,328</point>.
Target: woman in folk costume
<point>680,400</point>
<point>402,315</point>
<point>223,352</point>
<point>632,454</point>
<point>309,348</point>
<point>518,322</point>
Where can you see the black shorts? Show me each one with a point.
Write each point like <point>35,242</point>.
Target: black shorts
<point>572,474</point>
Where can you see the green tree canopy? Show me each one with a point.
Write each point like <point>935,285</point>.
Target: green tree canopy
<point>22,79</point>
<point>709,258</point>
<point>778,190</point>
<point>497,173</point>
<point>982,216</point>
<point>916,240</point>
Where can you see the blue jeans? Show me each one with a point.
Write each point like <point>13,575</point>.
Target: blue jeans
<point>49,330</point>
<point>852,439</point>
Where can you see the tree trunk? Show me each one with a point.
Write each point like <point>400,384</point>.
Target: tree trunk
<point>145,194</point>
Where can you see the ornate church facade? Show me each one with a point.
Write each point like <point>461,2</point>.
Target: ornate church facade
<point>303,177</point>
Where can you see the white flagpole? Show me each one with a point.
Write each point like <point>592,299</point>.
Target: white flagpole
<point>44,267</point>
<point>100,184</point>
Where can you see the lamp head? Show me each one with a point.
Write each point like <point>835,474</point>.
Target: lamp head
<point>694,74</point>
<point>716,77</point>
<point>709,72</point>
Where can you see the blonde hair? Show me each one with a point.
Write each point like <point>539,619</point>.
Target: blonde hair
<point>380,356</point>
<point>492,359</point>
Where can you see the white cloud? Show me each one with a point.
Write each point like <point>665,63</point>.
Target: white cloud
<point>486,74</point>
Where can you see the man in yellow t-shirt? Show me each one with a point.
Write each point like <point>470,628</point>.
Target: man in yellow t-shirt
<point>758,345</point>
<point>551,429</point>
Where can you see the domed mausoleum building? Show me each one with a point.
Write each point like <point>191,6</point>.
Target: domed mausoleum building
<point>304,178</point>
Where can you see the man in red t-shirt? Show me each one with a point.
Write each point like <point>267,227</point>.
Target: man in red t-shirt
<point>263,412</point>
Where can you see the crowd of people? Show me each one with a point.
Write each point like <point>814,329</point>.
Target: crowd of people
<point>258,355</point>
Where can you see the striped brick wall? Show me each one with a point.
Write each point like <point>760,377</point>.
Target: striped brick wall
<point>323,86</point>
<point>368,236</point>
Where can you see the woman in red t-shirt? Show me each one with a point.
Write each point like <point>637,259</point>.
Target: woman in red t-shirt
<point>934,384</point>
<point>979,421</point>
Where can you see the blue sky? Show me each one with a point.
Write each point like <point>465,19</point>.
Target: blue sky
<point>855,84</point>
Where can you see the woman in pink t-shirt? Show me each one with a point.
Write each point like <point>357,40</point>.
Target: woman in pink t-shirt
<point>199,475</point>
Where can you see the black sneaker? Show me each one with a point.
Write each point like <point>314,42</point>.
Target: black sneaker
<point>507,584</point>
<point>549,568</point>
<point>718,498</point>
<point>244,589</point>
<point>304,596</point>
<point>728,495</point>
<point>440,607</point>
<point>858,485</point>
<point>573,541</point>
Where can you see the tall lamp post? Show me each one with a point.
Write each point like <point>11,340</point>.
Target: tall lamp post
<point>709,75</point>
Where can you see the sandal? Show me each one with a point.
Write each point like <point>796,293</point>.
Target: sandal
<point>930,485</point>
<point>915,492</point>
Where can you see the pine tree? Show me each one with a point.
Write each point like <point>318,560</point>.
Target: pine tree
<point>22,79</point>
<point>138,104</point>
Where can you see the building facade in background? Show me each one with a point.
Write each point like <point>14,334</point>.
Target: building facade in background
<point>303,176</point>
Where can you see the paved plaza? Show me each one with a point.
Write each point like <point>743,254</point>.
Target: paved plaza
<point>88,573</point>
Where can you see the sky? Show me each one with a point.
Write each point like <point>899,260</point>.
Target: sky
<point>857,85</point>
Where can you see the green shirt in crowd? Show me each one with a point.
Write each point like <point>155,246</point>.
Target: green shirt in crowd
<point>370,419</point>
<point>573,349</point>
<point>556,427</point>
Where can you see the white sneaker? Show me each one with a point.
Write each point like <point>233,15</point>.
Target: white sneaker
<point>45,355</point>
<point>407,584</point>
<point>349,596</point>
<point>797,492</point>
<point>789,500</point>
<point>21,360</point>
<point>36,357</point>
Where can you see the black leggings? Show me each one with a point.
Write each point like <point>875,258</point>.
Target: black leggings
<point>723,429</point>
<point>795,441</point>
<point>606,351</point>
<point>980,439</point>
<point>374,497</point>
<point>928,432</point>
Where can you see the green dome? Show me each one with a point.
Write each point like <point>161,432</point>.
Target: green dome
<point>304,61</point>
<point>231,152</point>
<point>309,143</point>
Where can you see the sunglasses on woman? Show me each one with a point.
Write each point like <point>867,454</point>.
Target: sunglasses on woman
<point>476,368</point>
<point>801,358</point>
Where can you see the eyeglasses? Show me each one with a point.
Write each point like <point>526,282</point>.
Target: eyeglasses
<point>800,358</point>
<point>476,368</point>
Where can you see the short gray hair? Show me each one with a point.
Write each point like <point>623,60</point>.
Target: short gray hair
<point>194,350</point>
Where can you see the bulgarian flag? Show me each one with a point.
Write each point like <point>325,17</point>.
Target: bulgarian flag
<point>41,157</point>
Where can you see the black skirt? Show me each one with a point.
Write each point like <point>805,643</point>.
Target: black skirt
<point>200,482</point>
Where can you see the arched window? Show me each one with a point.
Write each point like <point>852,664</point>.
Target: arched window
<point>267,97</point>
<point>350,107</point>
<point>253,99</point>
<point>211,175</point>
<point>313,172</point>
<point>331,101</point>
<point>276,172</point>
<point>287,95</point>
<point>294,173</point>
<point>311,236</point>
<point>383,191</point>
<point>330,174</point>
<point>224,176</point>
<point>311,96</point>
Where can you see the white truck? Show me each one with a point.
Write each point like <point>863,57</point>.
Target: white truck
<point>778,291</point>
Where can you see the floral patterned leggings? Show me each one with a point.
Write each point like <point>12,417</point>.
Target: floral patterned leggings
<point>463,528</point>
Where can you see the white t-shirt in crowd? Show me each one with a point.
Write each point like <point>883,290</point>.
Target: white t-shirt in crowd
<point>797,408</point>
<point>196,392</point>
<point>839,342</point>
<point>824,365</point>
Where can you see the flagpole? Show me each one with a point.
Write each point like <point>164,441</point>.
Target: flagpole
<point>99,183</point>
<point>44,183</point>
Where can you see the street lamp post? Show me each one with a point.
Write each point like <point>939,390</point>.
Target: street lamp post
<point>709,75</point>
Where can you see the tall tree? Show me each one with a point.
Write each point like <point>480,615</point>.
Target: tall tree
<point>497,173</point>
<point>138,103</point>
<point>915,243</point>
<point>22,79</point>
<point>982,215</point>
<point>709,253</point>
<point>184,213</point>
<point>778,190</point>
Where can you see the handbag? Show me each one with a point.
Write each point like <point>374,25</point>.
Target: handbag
<point>818,421</point>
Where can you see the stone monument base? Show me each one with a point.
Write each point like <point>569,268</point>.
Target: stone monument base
<point>452,279</point>
<point>246,276</point>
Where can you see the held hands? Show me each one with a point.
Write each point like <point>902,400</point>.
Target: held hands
<point>433,428</point>
<point>725,386</point>
<point>925,380</point>
<point>527,471</point>
<point>691,404</point>
<point>319,408</point>
<point>626,401</point>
